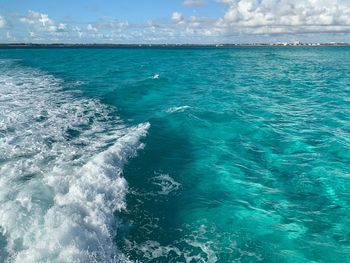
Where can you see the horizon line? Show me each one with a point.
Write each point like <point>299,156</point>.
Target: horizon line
<point>296,43</point>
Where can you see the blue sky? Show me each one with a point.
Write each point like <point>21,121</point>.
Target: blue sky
<point>174,21</point>
<point>89,10</point>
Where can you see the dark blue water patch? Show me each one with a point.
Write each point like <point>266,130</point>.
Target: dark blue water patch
<point>72,134</point>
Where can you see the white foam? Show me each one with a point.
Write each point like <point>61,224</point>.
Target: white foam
<point>152,250</point>
<point>193,248</point>
<point>166,184</point>
<point>178,109</point>
<point>60,174</point>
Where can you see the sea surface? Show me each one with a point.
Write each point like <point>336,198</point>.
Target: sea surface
<point>195,154</point>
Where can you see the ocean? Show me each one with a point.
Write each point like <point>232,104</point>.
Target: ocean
<point>175,154</point>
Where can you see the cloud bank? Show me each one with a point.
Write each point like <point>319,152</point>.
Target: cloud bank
<point>285,16</point>
<point>242,19</point>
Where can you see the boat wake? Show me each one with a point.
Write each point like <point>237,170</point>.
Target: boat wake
<point>61,162</point>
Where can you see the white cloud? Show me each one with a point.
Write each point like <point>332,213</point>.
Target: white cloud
<point>178,18</point>
<point>261,18</point>
<point>41,21</point>
<point>285,16</point>
<point>33,18</point>
<point>111,25</point>
<point>193,2</point>
<point>91,28</point>
<point>3,22</point>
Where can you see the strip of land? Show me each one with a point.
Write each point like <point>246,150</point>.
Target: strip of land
<point>172,45</point>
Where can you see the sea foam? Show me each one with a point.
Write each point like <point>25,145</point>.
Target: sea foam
<point>166,183</point>
<point>60,174</point>
<point>178,109</point>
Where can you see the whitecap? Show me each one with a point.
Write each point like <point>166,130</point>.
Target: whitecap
<point>178,109</point>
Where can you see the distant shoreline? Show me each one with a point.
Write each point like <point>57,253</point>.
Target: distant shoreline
<point>174,45</point>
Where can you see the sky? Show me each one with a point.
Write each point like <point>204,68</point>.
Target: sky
<point>174,21</point>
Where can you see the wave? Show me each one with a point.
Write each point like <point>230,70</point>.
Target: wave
<point>178,109</point>
<point>60,174</point>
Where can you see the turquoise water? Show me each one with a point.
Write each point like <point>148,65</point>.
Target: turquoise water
<point>175,154</point>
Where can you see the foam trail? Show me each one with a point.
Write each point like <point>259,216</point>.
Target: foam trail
<point>60,172</point>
